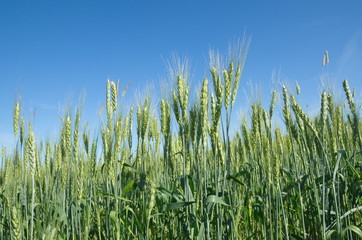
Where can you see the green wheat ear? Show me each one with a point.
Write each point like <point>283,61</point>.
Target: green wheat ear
<point>176,108</point>
<point>47,155</point>
<point>165,118</point>
<point>297,87</point>
<point>16,118</point>
<point>22,130</point>
<point>108,98</point>
<point>272,104</point>
<point>286,109</point>
<point>299,112</point>
<point>324,109</point>
<point>114,91</point>
<point>355,115</point>
<point>139,121</point>
<point>145,118</point>
<point>85,137</point>
<point>204,113</point>
<point>129,127</point>
<point>228,75</point>
<point>30,151</point>
<point>3,153</point>
<point>15,224</point>
<point>67,142</point>
<point>351,103</point>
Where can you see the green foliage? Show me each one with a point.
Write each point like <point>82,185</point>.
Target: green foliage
<point>264,182</point>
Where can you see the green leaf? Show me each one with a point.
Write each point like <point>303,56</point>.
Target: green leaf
<point>126,165</point>
<point>297,237</point>
<point>234,178</point>
<point>289,174</point>
<point>354,229</point>
<point>329,234</point>
<point>191,184</point>
<point>177,205</point>
<point>355,172</point>
<point>215,199</point>
<point>165,191</point>
<point>142,183</point>
<point>200,236</point>
<point>303,181</point>
<point>113,196</point>
<point>127,188</point>
<point>244,172</point>
<point>113,217</point>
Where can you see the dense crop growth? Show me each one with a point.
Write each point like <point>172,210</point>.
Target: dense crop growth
<point>178,172</point>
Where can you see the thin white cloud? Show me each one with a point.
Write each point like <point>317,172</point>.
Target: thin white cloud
<point>319,22</point>
<point>46,106</point>
<point>349,52</point>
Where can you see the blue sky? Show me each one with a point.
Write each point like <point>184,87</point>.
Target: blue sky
<point>52,51</point>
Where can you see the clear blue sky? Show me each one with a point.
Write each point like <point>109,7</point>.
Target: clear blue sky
<point>50,51</point>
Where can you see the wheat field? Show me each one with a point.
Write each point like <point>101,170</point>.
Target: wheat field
<point>178,171</point>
